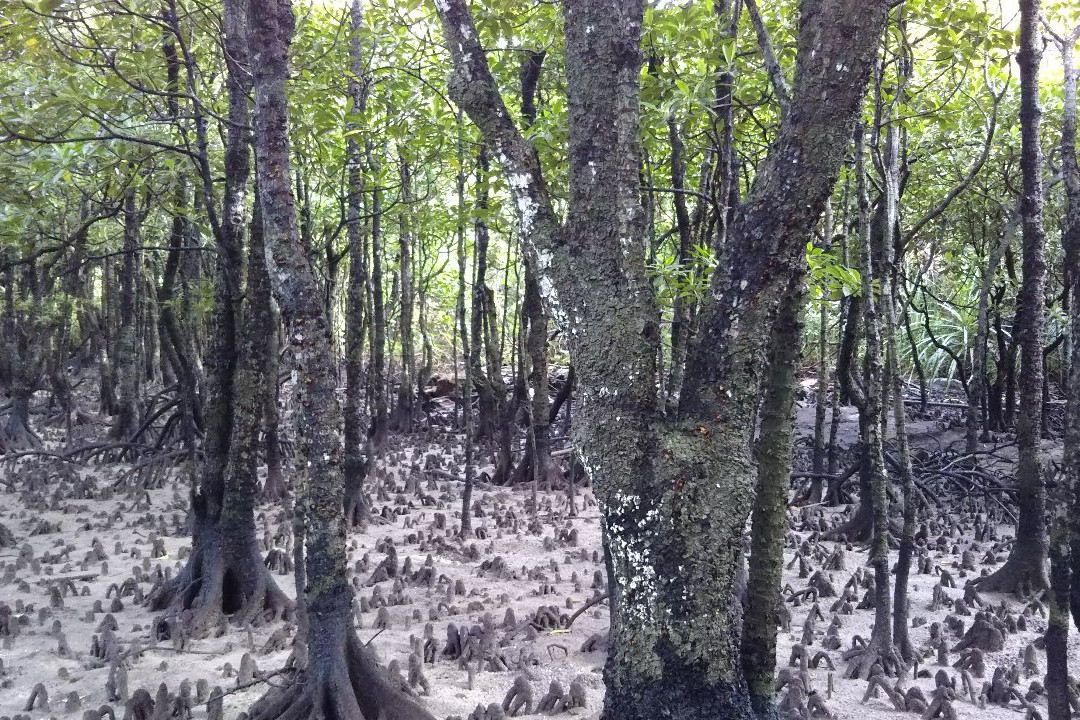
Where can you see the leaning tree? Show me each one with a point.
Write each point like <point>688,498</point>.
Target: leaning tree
<point>674,487</point>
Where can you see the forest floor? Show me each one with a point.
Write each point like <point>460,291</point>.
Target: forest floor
<point>55,535</point>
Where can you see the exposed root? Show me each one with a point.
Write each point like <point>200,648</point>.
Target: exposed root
<point>274,489</point>
<point>1018,576</point>
<point>858,529</point>
<point>15,435</point>
<point>340,682</point>
<point>862,662</point>
<point>220,580</point>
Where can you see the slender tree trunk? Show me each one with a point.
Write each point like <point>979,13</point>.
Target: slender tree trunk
<point>338,678</point>
<point>1065,531</point>
<point>356,465</point>
<point>466,343</point>
<point>108,403</point>
<point>823,375</point>
<point>274,489</point>
<point>536,349</point>
<point>834,492</point>
<point>127,417</point>
<point>979,380</point>
<point>1025,570</point>
<point>768,520</point>
<point>889,298</point>
<point>880,648</point>
<point>487,417</point>
<point>681,306</point>
<point>404,413</point>
<point>378,306</point>
<point>535,328</point>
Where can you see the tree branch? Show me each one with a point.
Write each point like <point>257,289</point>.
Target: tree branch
<point>473,88</point>
<point>960,187</point>
<point>768,54</point>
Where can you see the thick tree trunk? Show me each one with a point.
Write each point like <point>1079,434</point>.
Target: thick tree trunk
<point>1025,570</point>
<point>338,678</point>
<point>673,493</point>
<point>1070,240</point>
<point>225,573</point>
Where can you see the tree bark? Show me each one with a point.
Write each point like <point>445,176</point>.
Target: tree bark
<point>823,375</point>
<point>404,412</point>
<point>889,299</point>
<point>379,411</point>
<point>1025,570</point>
<point>880,649</point>
<point>466,342</point>
<point>1065,531</point>
<point>768,520</point>
<point>674,492</point>
<point>339,678</point>
<point>356,464</point>
<point>126,366</point>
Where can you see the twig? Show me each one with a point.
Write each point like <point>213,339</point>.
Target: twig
<point>593,601</point>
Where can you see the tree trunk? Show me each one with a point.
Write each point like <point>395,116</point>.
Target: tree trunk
<point>979,379</point>
<point>274,489</point>
<point>1025,570</point>
<point>486,417</point>
<point>338,677</point>
<point>126,366</point>
<point>405,411</point>
<point>1065,531</point>
<point>543,469</point>
<point>889,298</point>
<point>466,342</point>
<point>356,466</point>
<point>681,305</point>
<point>225,574</point>
<point>379,411</point>
<point>823,375</point>
<point>774,448</point>
<point>674,493</point>
<point>880,648</point>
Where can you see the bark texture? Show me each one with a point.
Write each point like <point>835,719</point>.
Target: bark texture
<point>674,490</point>
<point>337,679</point>
<point>774,448</point>
<point>1025,570</point>
<point>356,460</point>
<point>1065,531</point>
